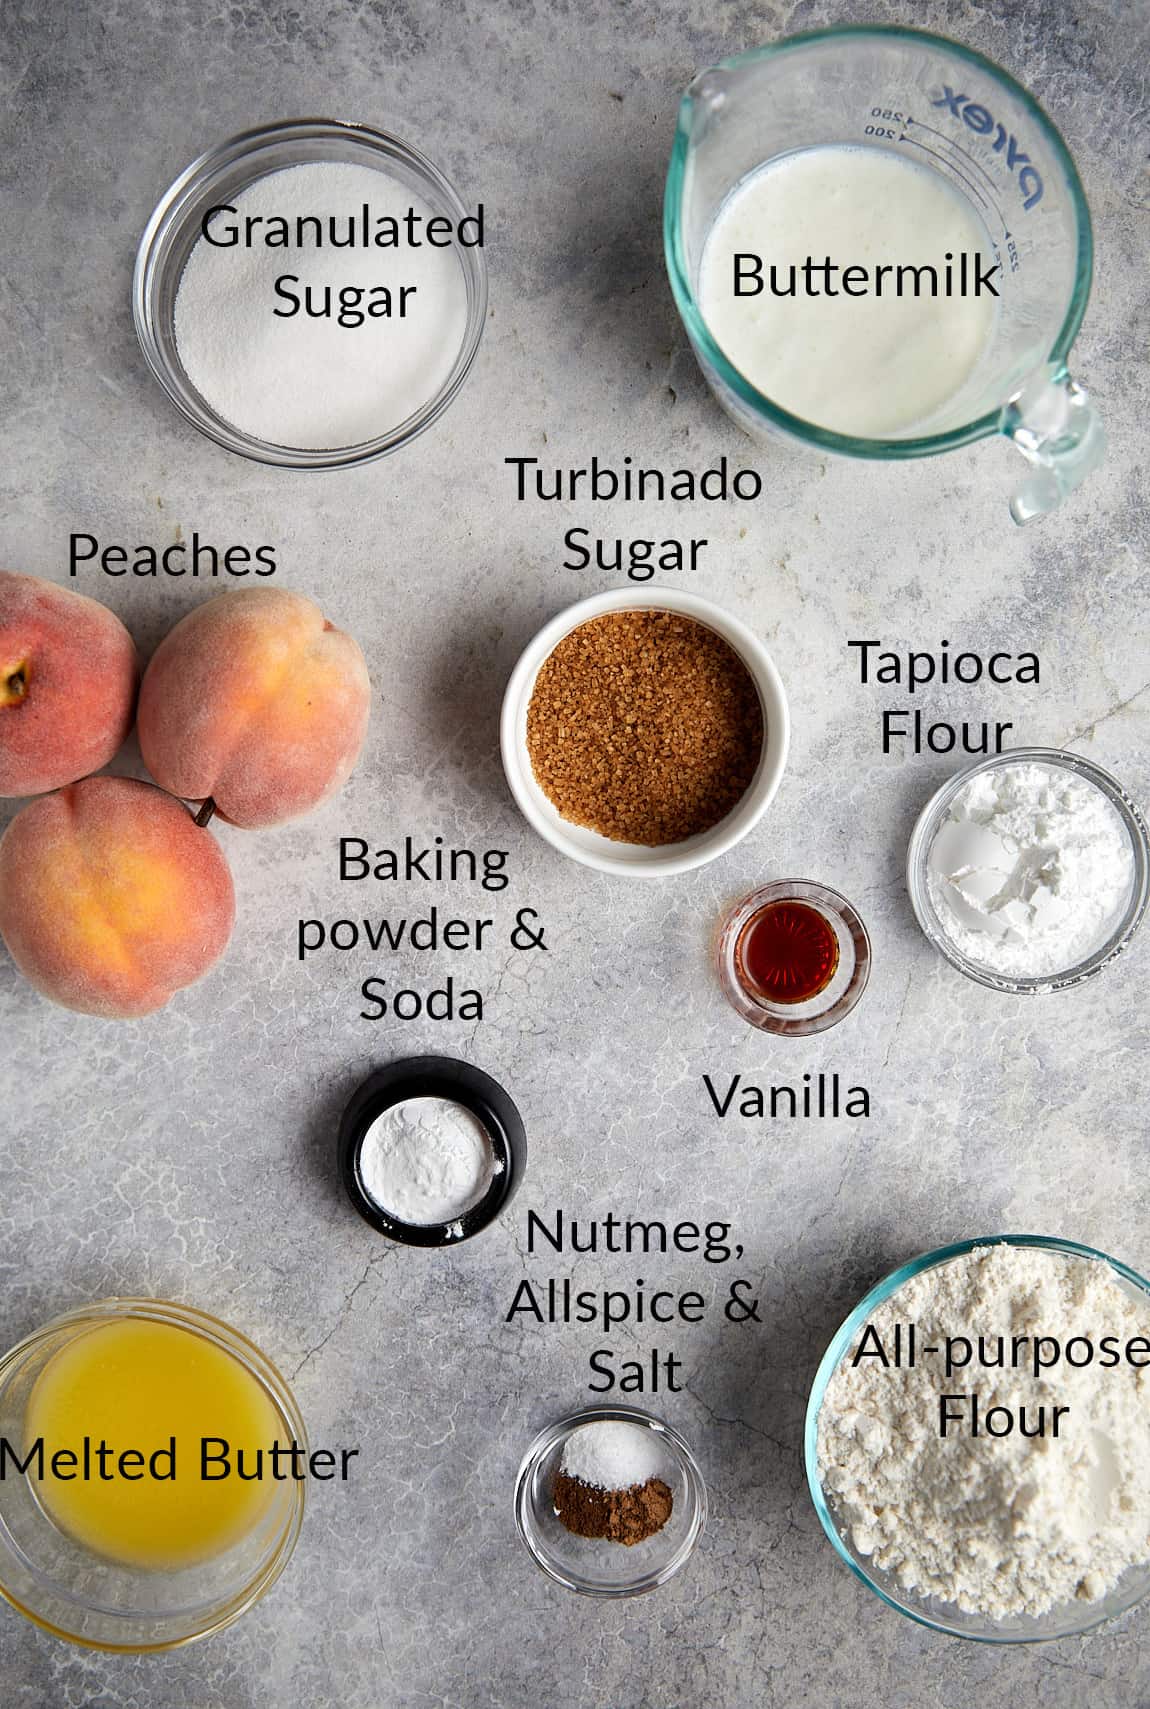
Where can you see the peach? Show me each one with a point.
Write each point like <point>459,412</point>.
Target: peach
<point>111,896</point>
<point>68,677</point>
<point>255,700</point>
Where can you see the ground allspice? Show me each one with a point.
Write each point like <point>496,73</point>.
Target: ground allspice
<point>618,1515</point>
<point>644,726</point>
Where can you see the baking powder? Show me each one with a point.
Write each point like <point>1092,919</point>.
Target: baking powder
<point>426,1161</point>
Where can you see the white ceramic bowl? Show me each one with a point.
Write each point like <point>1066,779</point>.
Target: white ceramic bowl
<point>603,853</point>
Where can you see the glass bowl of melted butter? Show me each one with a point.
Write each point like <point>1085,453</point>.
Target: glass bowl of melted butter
<point>116,1532</point>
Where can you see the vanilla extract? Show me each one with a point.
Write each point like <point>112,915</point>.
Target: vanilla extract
<point>819,1096</point>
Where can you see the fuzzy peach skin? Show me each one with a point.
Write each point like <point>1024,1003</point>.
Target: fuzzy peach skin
<point>68,678</point>
<point>256,700</point>
<point>111,897</point>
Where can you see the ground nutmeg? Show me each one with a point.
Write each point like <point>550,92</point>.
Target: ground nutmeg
<point>644,726</point>
<point>618,1515</point>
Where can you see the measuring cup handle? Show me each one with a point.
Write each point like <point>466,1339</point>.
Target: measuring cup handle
<point>1053,424</point>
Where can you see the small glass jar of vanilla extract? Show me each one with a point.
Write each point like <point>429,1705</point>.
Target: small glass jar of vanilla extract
<point>793,957</point>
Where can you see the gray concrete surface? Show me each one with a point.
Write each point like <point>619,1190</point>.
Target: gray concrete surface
<point>191,1154</point>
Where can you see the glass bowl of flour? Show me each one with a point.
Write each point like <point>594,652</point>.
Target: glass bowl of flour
<point>311,294</point>
<point>989,1531</point>
<point>1030,871</point>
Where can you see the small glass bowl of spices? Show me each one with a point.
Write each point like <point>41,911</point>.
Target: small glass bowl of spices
<point>1030,871</point>
<point>311,294</point>
<point>644,733</point>
<point>793,958</point>
<point>431,1150</point>
<point>610,1501</point>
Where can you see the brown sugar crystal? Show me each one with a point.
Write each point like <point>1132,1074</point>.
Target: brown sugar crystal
<point>619,1515</point>
<point>644,726</point>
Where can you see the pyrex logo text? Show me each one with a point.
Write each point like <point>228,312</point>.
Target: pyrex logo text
<point>978,120</point>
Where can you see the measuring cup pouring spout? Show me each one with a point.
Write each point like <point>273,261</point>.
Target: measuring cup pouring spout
<point>938,106</point>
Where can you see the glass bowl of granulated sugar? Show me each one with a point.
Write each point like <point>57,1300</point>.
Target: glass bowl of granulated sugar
<point>311,294</point>
<point>978,1441</point>
<point>610,1502</point>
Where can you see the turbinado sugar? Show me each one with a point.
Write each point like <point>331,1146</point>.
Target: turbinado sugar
<point>644,726</point>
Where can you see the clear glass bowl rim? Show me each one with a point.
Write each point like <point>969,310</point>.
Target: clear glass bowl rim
<point>257,1363</point>
<point>841,1341</point>
<point>564,1427</point>
<point>171,210</point>
<point>926,827</point>
<point>847,444</point>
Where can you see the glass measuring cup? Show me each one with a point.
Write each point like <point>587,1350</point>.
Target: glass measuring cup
<point>952,111</point>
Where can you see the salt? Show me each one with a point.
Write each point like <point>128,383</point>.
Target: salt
<point>307,382</point>
<point>427,1161</point>
<point>612,1454</point>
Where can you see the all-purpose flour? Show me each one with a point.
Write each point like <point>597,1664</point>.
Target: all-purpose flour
<point>1008,1525</point>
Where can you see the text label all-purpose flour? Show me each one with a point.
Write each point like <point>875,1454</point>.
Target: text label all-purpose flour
<point>871,364</point>
<point>1009,1511</point>
<point>300,327</point>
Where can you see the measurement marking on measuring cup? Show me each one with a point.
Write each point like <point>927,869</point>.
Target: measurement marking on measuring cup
<point>977,164</point>
<point>945,160</point>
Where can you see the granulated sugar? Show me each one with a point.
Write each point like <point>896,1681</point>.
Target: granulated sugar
<point>1009,1525</point>
<point>299,379</point>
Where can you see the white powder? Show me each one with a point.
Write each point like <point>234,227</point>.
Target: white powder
<point>305,382</point>
<point>1030,869</point>
<point>1005,1525</point>
<point>426,1161</point>
<point>612,1454</point>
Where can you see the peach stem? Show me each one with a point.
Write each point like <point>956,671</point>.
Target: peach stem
<point>206,812</point>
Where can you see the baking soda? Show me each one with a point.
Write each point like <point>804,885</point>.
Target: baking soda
<point>426,1161</point>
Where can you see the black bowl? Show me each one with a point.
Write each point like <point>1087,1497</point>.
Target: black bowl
<point>435,1077</point>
